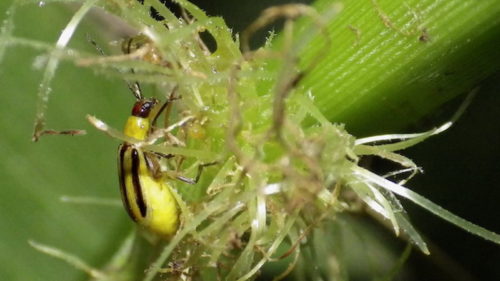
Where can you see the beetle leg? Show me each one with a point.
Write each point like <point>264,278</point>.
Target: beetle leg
<point>198,174</point>
<point>153,165</point>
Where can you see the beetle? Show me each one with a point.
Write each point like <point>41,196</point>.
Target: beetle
<point>145,191</point>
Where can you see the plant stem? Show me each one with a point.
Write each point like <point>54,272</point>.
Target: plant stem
<point>393,62</point>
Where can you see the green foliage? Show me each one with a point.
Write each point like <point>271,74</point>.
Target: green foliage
<point>283,168</point>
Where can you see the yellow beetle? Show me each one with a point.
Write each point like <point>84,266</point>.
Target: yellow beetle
<point>145,191</point>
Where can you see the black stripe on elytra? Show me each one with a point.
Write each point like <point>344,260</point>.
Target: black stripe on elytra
<point>137,183</point>
<point>123,190</point>
<point>129,46</point>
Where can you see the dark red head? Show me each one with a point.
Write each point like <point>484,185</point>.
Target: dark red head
<point>143,108</point>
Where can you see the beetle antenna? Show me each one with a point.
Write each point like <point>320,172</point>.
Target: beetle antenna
<point>134,87</point>
<point>166,105</point>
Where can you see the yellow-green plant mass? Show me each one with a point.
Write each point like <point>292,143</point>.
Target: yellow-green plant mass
<point>282,169</point>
